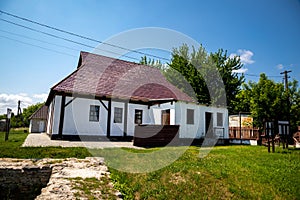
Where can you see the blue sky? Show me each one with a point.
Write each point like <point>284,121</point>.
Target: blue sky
<point>265,34</point>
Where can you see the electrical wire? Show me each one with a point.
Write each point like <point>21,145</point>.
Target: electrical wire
<point>43,41</point>
<point>36,46</point>
<point>83,37</point>
<point>79,43</point>
<point>256,75</point>
<point>68,40</point>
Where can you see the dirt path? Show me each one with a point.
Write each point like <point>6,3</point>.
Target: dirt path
<point>43,140</point>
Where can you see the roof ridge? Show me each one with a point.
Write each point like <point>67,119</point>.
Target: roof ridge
<point>118,68</point>
<point>118,59</point>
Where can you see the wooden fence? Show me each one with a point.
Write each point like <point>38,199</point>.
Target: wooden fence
<point>243,133</point>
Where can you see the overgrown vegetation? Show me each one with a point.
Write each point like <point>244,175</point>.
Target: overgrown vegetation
<point>92,188</point>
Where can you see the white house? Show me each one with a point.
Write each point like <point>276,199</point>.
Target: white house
<point>38,120</point>
<point>109,97</point>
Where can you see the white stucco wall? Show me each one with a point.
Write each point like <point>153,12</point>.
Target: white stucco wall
<point>188,130</point>
<point>156,112</point>
<point>197,130</point>
<point>146,119</point>
<point>76,120</point>
<point>56,114</point>
<point>117,129</point>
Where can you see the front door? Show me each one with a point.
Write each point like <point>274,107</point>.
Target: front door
<point>208,122</point>
<point>41,126</point>
<point>165,117</point>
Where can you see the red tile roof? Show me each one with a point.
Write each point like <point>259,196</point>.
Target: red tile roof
<point>102,76</point>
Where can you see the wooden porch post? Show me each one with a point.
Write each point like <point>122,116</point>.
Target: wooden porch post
<point>62,115</point>
<point>108,118</point>
<point>125,118</point>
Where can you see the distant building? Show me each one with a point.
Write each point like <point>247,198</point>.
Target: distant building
<point>38,120</point>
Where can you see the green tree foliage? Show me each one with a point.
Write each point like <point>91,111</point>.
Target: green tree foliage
<point>268,100</point>
<point>227,68</point>
<point>153,63</point>
<point>23,120</point>
<point>294,97</point>
<point>207,74</point>
<point>183,72</point>
<point>242,102</point>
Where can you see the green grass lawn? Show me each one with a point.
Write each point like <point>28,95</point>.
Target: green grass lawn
<point>12,148</point>
<point>233,172</point>
<point>230,172</point>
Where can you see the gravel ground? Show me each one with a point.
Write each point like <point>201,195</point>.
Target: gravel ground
<point>43,140</point>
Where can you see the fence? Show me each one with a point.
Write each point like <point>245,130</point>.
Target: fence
<point>243,133</point>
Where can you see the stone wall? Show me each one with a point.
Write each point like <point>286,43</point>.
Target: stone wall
<point>48,179</point>
<point>23,183</point>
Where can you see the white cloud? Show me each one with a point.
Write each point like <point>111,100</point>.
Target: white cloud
<point>41,97</point>
<point>240,71</point>
<point>245,56</point>
<point>11,101</point>
<point>280,66</point>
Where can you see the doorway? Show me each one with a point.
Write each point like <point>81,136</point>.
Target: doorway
<point>41,126</point>
<point>165,117</point>
<point>208,122</point>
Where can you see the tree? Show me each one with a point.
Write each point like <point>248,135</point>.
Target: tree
<point>267,100</point>
<point>23,120</point>
<point>151,62</point>
<point>203,71</point>
<point>294,95</point>
<point>228,67</point>
<point>242,99</point>
<point>184,74</point>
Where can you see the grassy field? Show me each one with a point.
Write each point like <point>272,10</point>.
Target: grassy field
<point>233,172</point>
<point>12,148</point>
<point>230,172</point>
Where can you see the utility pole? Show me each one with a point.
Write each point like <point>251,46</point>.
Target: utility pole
<point>19,108</point>
<point>286,83</point>
<point>286,77</point>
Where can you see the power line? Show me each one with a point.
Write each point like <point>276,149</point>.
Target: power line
<point>36,46</point>
<point>24,36</point>
<point>62,38</point>
<point>256,75</point>
<point>83,37</point>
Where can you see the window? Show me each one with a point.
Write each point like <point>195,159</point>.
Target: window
<point>219,119</point>
<point>190,116</point>
<point>118,115</point>
<point>94,113</point>
<point>138,117</point>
